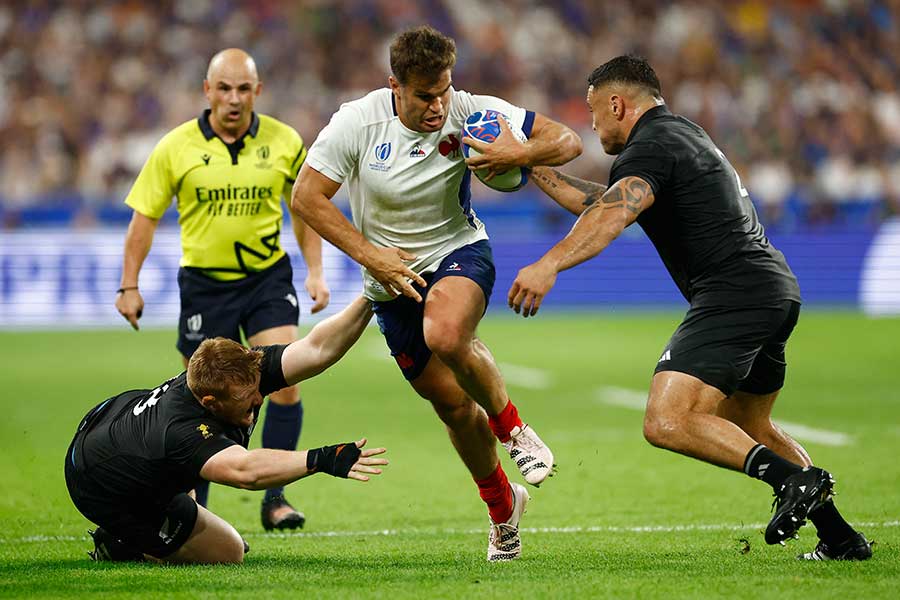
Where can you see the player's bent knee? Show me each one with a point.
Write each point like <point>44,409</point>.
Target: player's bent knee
<point>660,431</point>
<point>449,343</point>
<point>454,414</point>
<point>212,541</point>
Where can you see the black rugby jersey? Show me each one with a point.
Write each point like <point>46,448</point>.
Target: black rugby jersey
<point>702,222</point>
<point>146,446</point>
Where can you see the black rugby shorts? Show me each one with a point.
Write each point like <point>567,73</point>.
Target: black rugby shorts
<point>733,348</point>
<point>157,530</point>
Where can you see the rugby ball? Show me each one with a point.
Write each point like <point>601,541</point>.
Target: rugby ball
<point>483,125</point>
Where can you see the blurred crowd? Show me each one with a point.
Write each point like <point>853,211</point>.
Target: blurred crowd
<point>801,95</point>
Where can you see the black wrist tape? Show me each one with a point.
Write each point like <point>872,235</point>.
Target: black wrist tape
<point>335,460</point>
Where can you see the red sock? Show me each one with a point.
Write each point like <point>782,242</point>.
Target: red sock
<point>504,422</point>
<point>496,493</point>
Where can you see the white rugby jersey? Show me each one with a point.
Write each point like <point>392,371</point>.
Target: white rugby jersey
<point>408,189</point>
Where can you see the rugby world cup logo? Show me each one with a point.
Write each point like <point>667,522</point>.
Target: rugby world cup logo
<point>382,152</point>
<point>195,322</point>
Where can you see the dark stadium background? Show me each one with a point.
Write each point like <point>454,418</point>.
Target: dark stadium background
<point>801,96</point>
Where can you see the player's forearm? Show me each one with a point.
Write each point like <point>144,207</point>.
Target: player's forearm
<point>572,193</point>
<point>591,234</point>
<point>138,241</point>
<point>551,145</point>
<point>320,213</point>
<point>601,222</point>
<point>328,341</point>
<point>310,244</point>
<point>265,468</point>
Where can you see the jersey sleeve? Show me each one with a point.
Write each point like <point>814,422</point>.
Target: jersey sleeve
<point>192,442</point>
<point>335,152</point>
<point>271,374</point>
<point>297,152</point>
<point>470,103</point>
<point>154,187</point>
<point>647,160</point>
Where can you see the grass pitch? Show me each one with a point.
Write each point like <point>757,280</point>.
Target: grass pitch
<point>621,519</point>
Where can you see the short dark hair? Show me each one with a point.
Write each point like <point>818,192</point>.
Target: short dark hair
<point>627,69</point>
<point>423,52</point>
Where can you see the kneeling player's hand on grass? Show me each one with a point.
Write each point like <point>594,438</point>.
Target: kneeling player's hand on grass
<point>346,460</point>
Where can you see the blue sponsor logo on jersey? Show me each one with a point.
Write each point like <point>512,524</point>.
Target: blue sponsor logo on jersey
<point>382,151</point>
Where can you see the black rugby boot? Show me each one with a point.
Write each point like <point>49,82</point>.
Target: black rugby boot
<point>293,520</point>
<point>109,548</point>
<point>856,547</point>
<point>800,494</point>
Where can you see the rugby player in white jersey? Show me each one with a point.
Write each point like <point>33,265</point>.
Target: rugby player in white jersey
<point>426,258</point>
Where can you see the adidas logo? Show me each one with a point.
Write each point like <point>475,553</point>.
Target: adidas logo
<point>667,355</point>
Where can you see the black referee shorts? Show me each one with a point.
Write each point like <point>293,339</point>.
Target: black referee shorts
<point>212,308</point>
<point>733,349</point>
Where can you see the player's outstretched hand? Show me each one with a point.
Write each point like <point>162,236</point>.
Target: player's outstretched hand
<point>318,292</point>
<point>130,305</point>
<point>529,288</point>
<point>498,157</point>
<point>388,267</point>
<point>366,465</point>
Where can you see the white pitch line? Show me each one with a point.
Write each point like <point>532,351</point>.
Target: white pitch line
<point>525,377</point>
<point>619,396</point>
<point>444,532</point>
<point>634,400</point>
<point>822,436</point>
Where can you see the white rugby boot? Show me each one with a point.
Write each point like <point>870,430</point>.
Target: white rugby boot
<point>531,455</point>
<point>504,542</point>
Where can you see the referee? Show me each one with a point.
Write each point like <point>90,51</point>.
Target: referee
<point>719,376</point>
<point>229,169</point>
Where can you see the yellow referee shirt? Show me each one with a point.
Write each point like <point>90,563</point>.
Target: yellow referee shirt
<point>229,195</point>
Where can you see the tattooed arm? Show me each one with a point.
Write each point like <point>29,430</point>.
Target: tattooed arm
<point>596,228</point>
<point>572,193</point>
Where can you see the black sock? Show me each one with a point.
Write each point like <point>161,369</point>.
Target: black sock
<point>202,490</point>
<point>830,525</point>
<point>281,430</point>
<point>762,463</point>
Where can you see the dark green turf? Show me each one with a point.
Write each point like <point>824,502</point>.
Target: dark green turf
<point>420,530</point>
